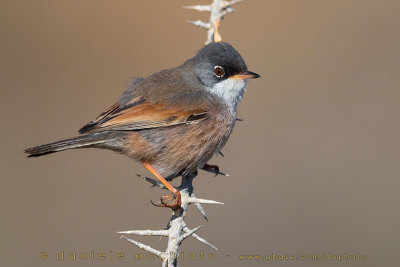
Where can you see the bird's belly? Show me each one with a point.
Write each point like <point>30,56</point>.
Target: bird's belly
<point>183,147</point>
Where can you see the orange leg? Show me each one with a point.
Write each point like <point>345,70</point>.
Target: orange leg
<point>166,200</point>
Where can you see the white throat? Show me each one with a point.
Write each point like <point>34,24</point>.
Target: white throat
<point>230,91</point>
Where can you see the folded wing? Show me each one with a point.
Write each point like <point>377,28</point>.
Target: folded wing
<point>139,114</point>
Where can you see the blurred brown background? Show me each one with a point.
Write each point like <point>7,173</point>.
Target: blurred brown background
<point>314,166</point>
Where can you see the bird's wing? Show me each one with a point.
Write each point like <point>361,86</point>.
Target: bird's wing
<point>139,114</point>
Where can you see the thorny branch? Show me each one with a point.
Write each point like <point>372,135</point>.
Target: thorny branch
<point>176,230</point>
<point>218,9</point>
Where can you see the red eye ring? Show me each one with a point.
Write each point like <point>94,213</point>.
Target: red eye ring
<point>219,71</point>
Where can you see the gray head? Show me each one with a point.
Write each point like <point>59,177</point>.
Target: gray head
<point>222,71</point>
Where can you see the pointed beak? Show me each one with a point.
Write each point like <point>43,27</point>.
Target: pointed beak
<point>245,75</point>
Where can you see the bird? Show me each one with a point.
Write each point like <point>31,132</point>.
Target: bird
<point>172,121</point>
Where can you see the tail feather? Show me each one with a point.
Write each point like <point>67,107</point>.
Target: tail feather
<point>76,142</point>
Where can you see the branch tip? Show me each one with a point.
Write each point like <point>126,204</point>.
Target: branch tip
<point>200,8</point>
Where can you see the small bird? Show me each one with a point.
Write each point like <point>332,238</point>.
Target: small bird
<point>174,120</point>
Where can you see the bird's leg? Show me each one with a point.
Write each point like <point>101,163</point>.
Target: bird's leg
<point>173,202</point>
<point>214,169</point>
<point>173,176</point>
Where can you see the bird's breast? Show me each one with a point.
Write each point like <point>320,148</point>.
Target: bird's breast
<point>183,147</point>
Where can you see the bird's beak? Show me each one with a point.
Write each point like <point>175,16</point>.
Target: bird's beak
<point>245,75</point>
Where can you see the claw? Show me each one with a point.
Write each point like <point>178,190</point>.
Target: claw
<point>214,169</point>
<point>176,204</point>
<point>158,204</point>
<point>169,201</point>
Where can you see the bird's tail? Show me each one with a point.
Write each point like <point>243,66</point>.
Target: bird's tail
<point>76,142</point>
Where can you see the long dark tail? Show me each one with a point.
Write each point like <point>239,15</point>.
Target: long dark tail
<point>76,142</point>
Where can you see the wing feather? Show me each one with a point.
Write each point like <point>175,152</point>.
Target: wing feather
<point>139,114</point>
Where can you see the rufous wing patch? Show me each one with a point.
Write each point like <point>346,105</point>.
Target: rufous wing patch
<point>140,114</point>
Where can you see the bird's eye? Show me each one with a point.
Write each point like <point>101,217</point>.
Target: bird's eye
<point>219,71</point>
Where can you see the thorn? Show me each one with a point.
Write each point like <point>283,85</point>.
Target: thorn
<point>187,234</point>
<point>237,119</point>
<point>223,174</point>
<point>202,240</point>
<point>200,8</point>
<point>201,210</point>
<point>145,247</point>
<point>200,24</point>
<point>154,182</point>
<point>227,11</point>
<point>231,2</point>
<point>219,152</point>
<point>145,232</point>
<point>203,201</point>
<point>150,180</point>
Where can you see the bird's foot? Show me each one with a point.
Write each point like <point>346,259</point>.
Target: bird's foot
<point>213,169</point>
<point>170,201</point>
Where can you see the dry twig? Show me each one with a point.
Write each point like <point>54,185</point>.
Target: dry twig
<point>176,230</point>
<point>218,9</point>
